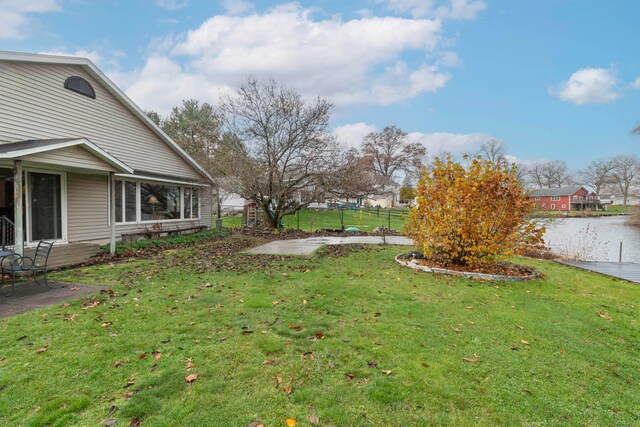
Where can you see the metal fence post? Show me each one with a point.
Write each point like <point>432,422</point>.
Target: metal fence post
<point>389,218</point>
<point>298,215</point>
<point>620,256</point>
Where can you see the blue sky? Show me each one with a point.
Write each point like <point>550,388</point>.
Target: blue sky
<point>553,79</point>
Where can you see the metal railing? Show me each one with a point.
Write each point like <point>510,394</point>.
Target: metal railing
<point>7,233</point>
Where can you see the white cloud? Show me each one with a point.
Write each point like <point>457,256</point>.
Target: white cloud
<point>351,135</point>
<point>93,56</point>
<point>163,84</point>
<point>237,7</point>
<point>452,9</point>
<point>15,15</point>
<point>439,143</point>
<point>354,61</point>
<point>636,83</point>
<point>171,4</point>
<point>589,86</point>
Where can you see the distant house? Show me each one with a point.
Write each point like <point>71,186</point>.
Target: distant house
<point>565,199</point>
<point>79,161</point>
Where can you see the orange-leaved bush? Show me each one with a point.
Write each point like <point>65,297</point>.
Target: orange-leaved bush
<point>469,216</point>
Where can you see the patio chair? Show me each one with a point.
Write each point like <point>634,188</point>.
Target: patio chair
<point>17,264</point>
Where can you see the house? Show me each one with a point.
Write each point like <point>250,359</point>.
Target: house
<point>564,199</point>
<point>79,161</point>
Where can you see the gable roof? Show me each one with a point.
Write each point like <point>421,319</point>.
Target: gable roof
<point>91,68</point>
<point>561,191</point>
<point>24,148</point>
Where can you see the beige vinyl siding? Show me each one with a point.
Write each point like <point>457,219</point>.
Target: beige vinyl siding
<point>87,212</point>
<point>71,157</point>
<point>35,105</point>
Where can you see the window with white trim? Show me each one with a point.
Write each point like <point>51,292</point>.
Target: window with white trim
<point>555,198</point>
<point>159,202</point>
<point>125,201</point>
<point>564,206</point>
<point>553,206</point>
<point>191,203</point>
<point>139,201</point>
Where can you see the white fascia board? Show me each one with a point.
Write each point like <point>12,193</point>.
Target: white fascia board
<point>90,146</point>
<point>114,90</point>
<point>156,179</point>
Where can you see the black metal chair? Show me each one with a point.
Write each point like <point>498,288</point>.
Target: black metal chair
<point>16,264</point>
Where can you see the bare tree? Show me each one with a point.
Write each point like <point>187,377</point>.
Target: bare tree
<point>388,152</point>
<point>494,151</point>
<point>548,174</point>
<point>625,171</point>
<point>598,174</point>
<point>283,147</point>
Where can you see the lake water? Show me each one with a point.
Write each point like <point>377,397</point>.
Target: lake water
<point>594,239</point>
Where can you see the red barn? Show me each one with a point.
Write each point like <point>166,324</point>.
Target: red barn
<point>564,199</point>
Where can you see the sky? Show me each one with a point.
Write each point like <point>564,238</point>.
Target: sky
<point>552,79</point>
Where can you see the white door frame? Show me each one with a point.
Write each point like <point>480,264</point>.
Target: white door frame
<point>63,203</point>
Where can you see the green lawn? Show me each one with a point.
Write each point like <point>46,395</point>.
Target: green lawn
<point>311,220</point>
<point>351,337</point>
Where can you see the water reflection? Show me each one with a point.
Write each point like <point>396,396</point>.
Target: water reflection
<point>596,239</point>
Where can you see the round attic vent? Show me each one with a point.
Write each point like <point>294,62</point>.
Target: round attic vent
<point>80,85</point>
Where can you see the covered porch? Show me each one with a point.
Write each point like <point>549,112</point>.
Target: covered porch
<point>33,194</point>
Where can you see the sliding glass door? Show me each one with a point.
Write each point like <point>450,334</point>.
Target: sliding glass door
<point>45,206</point>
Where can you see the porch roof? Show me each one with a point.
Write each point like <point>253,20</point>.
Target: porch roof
<point>20,149</point>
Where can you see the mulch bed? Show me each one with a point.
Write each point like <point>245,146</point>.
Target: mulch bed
<point>500,268</point>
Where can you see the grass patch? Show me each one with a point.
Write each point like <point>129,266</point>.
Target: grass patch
<point>312,220</point>
<point>359,338</point>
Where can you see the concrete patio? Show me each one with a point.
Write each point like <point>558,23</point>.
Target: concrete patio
<point>30,296</point>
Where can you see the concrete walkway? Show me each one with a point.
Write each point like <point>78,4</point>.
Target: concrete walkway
<point>622,270</point>
<point>30,296</point>
<point>311,244</point>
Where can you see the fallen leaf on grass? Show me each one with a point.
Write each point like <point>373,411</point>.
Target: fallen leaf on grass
<point>157,355</point>
<point>473,359</point>
<point>291,422</point>
<point>112,409</point>
<point>135,422</point>
<point>455,329</point>
<point>387,372</point>
<point>190,366</point>
<point>563,351</point>
<point>118,363</point>
<point>21,338</point>
<point>349,376</point>
<point>110,422</point>
<point>105,324</point>
<point>319,335</point>
<point>604,315</point>
<point>373,364</point>
<point>75,288</point>
<point>2,358</point>
<point>191,378</point>
<point>287,389</point>
<point>143,356</point>
<point>296,327</point>
<point>153,368</point>
<point>527,391</point>
<point>313,419</point>
<point>524,342</point>
<point>43,349</point>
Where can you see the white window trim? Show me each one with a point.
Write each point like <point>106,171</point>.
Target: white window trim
<point>63,204</point>
<point>181,185</point>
